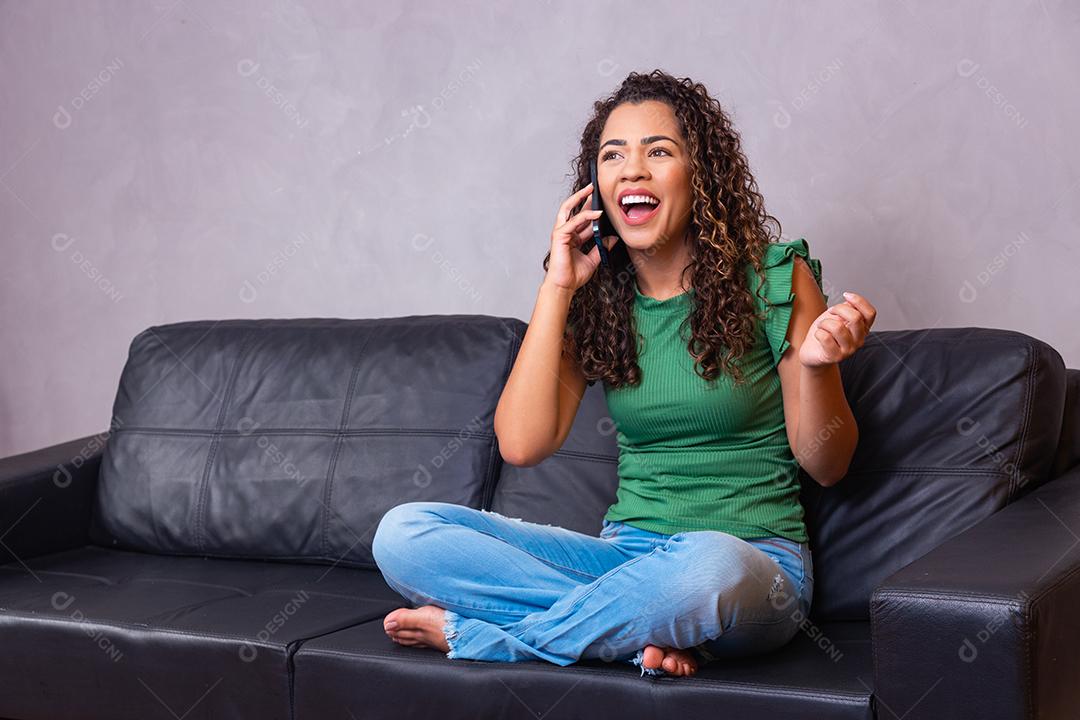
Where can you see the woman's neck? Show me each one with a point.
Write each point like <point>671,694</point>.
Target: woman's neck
<point>662,275</point>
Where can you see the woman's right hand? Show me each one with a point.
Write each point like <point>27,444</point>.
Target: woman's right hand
<point>568,267</point>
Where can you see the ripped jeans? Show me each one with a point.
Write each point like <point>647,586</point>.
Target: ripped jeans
<point>515,590</point>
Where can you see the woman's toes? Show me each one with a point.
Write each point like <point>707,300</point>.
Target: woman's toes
<point>652,657</point>
<point>682,660</point>
<point>417,626</point>
<point>406,635</point>
<point>392,621</point>
<point>672,660</point>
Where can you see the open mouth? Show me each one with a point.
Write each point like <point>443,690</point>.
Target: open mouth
<point>639,209</point>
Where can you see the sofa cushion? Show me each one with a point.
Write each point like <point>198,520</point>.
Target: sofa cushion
<point>289,439</point>
<point>95,633</point>
<point>825,672</point>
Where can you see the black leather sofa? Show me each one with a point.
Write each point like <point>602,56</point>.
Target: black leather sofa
<point>210,555</point>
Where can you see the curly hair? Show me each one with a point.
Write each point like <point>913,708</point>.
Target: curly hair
<point>728,227</point>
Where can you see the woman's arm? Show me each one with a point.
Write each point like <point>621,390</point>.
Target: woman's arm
<point>544,390</point>
<point>821,428</point>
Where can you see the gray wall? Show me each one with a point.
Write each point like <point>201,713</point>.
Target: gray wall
<point>189,159</point>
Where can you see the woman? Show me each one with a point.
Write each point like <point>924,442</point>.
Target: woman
<point>718,358</point>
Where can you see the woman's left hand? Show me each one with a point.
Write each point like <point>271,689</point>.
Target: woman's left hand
<point>838,332</point>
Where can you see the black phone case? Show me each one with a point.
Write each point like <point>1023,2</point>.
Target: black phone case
<point>602,226</point>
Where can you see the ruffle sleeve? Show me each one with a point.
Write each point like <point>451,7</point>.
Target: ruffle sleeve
<point>779,265</point>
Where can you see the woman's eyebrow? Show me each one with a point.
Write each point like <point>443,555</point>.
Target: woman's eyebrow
<point>644,140</point>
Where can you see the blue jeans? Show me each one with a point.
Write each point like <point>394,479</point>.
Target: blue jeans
<point>515,590</point>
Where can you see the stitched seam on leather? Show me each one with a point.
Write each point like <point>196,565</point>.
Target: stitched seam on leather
<point>338,442</point>
<point>875,645</point>
<point>1028,651</point>
<point>290,672</point>
<point>852,698</point>
<point>494,467</point>
<point>915,469</point>
<point>1029,391</point>
<point>215,442</point>
<point>66,622</point>
<point>303,559</point>
<point>318,432</point>
<point>877,339</point>
<point>587,456</point>
<point>960,595</point>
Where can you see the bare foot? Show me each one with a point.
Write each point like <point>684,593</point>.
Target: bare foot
<point>673,660</point>
<point>421,626</point>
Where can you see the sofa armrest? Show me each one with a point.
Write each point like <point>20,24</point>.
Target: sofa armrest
<point>987,623</point>
<point>46,496</point>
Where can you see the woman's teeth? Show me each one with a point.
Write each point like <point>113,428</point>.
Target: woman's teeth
<point>639,208</point>
<point>632,199</point>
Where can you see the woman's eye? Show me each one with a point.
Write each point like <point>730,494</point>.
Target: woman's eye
<point>609,155</point>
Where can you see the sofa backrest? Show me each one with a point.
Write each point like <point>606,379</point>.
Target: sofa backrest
<point>954,423</point>
<point>289,439</point>
<point>573,487</point>
<point>1068,451</point>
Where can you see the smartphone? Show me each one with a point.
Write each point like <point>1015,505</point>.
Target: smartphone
<point>602,226</point>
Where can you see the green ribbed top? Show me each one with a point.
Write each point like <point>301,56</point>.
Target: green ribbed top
<point>701,456</point>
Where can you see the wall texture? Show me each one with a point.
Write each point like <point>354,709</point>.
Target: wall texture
<point>185,159</point>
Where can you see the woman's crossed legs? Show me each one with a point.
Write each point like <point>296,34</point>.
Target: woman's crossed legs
<point>514,590</point>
